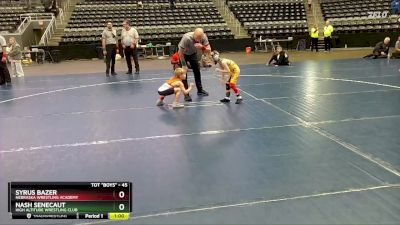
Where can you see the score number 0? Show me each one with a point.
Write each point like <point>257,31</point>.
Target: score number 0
<point>121,195</point>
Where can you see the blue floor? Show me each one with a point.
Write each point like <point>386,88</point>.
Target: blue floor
<point>314,143</point>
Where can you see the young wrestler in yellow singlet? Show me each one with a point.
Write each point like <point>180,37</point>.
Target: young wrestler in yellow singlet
<point>174,86</point>
<point>229,67</point>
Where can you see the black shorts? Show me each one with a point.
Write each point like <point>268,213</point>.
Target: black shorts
<point>169,91</point>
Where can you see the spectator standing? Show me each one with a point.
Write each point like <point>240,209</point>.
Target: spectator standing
<point>4,73</point>
<point>15,57</point>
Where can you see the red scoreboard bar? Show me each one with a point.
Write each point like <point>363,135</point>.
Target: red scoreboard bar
<point>70,200</point>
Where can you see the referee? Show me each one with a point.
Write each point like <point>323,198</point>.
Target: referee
<point>188,46</point>
<point>130,40</point>
<point>110,47</point>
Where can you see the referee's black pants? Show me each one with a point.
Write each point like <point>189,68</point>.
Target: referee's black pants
<point>193,60</point>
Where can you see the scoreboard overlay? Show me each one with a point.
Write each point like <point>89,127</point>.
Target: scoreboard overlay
<point>70,200</point>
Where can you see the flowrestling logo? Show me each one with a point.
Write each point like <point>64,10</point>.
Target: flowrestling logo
<point>378,14</point>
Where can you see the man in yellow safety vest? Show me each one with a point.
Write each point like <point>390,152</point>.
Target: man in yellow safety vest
<point>328,29</point>
<point>314,38</point>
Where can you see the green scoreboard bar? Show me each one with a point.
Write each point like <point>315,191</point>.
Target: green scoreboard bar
<point>70,200</point>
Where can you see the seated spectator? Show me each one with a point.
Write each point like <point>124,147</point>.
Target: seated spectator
<point>279,58</point>
<point>381,49</point>
<point>140,4</point>
<point>51,6</point>
<point>172,4</point>
<point>396,51</point>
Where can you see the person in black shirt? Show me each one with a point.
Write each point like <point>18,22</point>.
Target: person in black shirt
<point>279,58</point>
<point>381,49</point>
<point>4,73</point>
